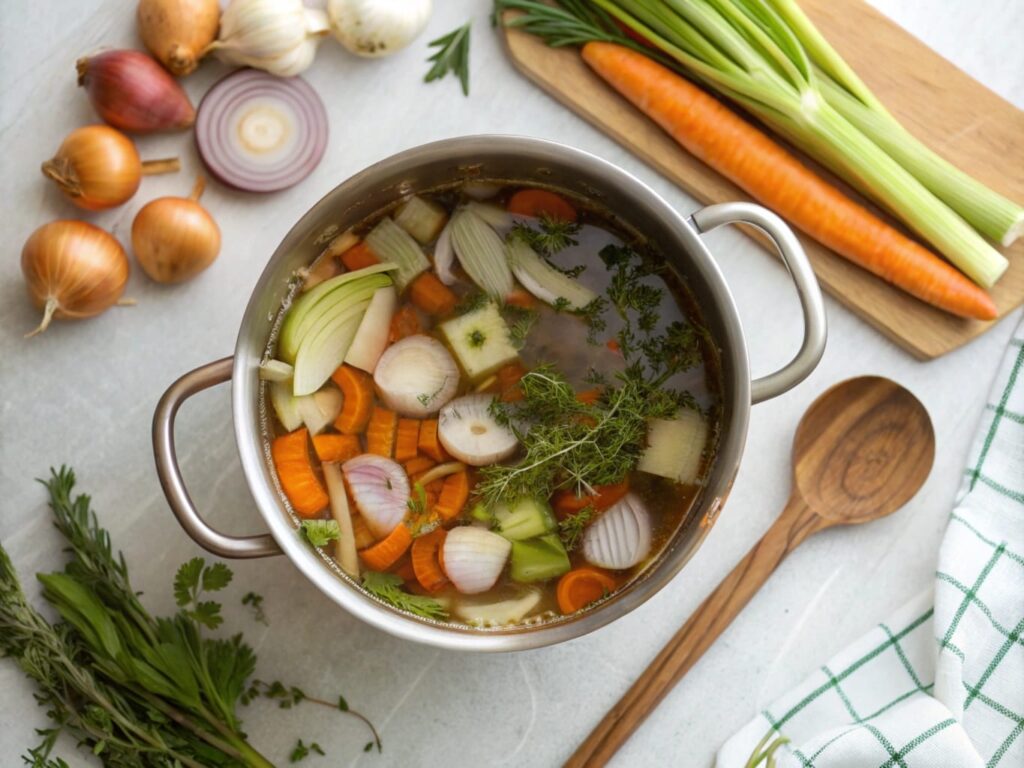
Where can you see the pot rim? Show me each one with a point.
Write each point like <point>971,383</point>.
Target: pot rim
<point>254,454</point>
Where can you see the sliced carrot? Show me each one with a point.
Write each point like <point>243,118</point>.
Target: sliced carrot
<point>612,344</point>
<point>429,443</point>
<point>507,384</point>
<point>432,296</point>
<point>424,560</point>
<point>361,531</point>
<point>541,202</point>
<point>566,502</point>
<point>404,570</point>
<point>359,256</point>
<point>295,471</point>
<point>589,396</point>
<point>433,493</point>
<point>407,439</point>
<point>404,323</point>
<point>386,552</point>
<point>520,298</point>
<point>454,495</point>
<point>357,388</point>
<point>775,177</point>
<point>417,466</point>
<point>336,447</point>
<point>380,432</point>
<point>582,586</point>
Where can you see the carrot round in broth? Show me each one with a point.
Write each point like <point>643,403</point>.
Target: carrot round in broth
<point>541,202</point>
<point>772,175</point>
<point>295,471</point>
<point>425,563</point>
<point>580,587</point>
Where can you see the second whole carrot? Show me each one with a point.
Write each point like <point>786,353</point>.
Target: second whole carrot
<point>772,175</point>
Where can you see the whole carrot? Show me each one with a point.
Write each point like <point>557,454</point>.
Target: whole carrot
<point>770,174</point>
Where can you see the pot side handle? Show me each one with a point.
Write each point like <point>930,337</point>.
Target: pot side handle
<point>169,472</point>
<point>793,256</point>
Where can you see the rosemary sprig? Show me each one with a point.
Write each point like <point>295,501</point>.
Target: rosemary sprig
<point>452,56</point>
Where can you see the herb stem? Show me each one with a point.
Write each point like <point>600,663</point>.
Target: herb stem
<point>358,715</point>
<point>186,722</point>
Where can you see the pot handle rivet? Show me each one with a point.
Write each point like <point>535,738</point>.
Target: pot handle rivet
<point>793,256</point>
<point>169,472</point>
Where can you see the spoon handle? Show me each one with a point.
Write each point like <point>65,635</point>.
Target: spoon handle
<point>795,524</point>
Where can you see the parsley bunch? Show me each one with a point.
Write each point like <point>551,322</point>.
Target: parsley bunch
<point>137,690</point>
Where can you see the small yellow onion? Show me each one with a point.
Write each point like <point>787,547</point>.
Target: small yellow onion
<point>73,270</point>
<point>177,32</point>
<point>174,238</point>
<point>97,167</point>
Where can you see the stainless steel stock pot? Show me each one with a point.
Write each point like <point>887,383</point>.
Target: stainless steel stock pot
<point>522,160</point>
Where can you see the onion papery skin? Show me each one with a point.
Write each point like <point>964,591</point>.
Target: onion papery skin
<point>73,270</point>
<point>131,91</point>
<point>380,490</point>
<point>96,167</point>
<point>177,32</point>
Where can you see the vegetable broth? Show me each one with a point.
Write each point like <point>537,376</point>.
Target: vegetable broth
<point>571,396</point>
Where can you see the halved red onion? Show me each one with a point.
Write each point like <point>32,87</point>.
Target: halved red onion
<point>261,133</point>
<point>416,376</point>
<point>474,558</point>
<point>620,537</point>
<point>380,489</point>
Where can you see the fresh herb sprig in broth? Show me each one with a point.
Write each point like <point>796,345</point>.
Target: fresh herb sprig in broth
<point>571,529</point>
<point>592,316</point>
<point>520,322</point>
<point>571,444</point>
<point>551,236</point>
<point>388,587</point>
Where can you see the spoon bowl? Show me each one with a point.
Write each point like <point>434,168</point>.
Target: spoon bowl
<point>862,450</point>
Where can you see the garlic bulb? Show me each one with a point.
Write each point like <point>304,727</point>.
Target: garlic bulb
<point>377,27</point>
<point>278,36</point>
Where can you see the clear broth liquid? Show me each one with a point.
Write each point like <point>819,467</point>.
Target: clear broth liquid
<point>562,340</point>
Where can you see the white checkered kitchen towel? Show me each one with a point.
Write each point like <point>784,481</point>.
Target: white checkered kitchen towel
<point>941,684</point>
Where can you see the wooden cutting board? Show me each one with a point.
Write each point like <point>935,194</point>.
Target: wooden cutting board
<point>954,114</point>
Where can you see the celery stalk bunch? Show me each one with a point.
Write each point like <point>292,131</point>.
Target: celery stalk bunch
<point>767,56</point>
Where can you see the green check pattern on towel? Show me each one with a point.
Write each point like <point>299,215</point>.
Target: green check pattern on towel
<point>940,684</point>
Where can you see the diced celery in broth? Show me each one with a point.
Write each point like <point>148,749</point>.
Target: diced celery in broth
<point>576,345</point>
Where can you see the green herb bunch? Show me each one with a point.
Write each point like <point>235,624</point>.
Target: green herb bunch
<point>137,690</point>
<point>572,444</point>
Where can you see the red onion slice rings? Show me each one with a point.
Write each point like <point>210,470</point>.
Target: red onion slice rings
<point>261,133</point>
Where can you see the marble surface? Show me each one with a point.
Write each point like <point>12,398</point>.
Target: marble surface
<point>84,394</point>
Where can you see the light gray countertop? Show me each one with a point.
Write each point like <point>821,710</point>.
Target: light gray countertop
<point>84,393</point>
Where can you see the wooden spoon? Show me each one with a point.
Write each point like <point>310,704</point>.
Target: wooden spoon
<point>862,450</point>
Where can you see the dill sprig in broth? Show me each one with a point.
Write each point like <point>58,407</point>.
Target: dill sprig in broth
<point>571,444</point>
